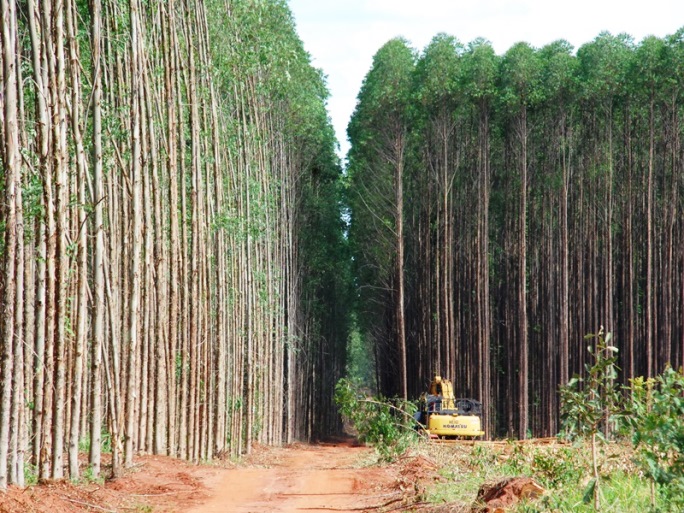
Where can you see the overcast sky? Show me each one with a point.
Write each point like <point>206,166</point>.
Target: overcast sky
<point>343,35</point>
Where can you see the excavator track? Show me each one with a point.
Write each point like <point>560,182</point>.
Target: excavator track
<point>498,443</point>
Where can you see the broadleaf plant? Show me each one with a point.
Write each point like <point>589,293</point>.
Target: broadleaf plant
<point>656,417</point>
<point>591,404</point>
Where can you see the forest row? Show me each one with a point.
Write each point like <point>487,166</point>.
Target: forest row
<point>503,207</point>
<point>172,251</point>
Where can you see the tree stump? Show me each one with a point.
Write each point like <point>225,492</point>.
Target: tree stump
<point>496,497</point>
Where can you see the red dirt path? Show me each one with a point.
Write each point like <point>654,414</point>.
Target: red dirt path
<point>305,478</point>
<point>311,478</point>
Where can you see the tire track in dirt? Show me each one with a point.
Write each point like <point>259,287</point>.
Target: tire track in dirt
<point>318,478</point>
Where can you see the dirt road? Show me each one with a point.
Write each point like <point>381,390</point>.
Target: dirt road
<point>300,478</point>
<point>320,478</point>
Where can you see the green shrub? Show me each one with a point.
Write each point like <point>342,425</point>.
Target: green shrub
<point>558,468</point>
<point>386,426</point>
<point>593,403</point>
<point>656,417</point>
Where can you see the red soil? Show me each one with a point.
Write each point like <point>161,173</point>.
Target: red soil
<point>313,478</point>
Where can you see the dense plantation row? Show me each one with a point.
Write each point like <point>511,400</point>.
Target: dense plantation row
<point>505,206</point>
<point>172,251</point>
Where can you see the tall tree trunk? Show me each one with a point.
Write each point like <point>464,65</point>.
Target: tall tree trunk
<point>564,306</point>
<point>399,213</point>
<point>98,289</point>
<point>82,249</point>
<point>651,355</point>
<point>137,242</point>
<point>59,157</point>
<point>12,173</point>
<point>523,366</point>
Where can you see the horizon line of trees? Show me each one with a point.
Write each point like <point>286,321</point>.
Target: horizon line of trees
<point>504,206</point>
<point>173,270</point>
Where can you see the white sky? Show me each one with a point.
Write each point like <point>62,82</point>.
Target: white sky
<point>343,35</point>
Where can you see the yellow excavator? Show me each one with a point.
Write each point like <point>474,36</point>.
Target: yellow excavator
<point>441,415</point>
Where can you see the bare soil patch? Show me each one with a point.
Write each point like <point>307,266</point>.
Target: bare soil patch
<point>155,483</point>
<point>338,477</point>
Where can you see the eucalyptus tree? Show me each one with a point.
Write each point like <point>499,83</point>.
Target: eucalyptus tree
<point>40,162</point>
<point>378,132</point>
<point>76,353</point>
<point>11,245</point>
<point>439,152</point>
<point>672,90</point>
<point>479,82</point>
<point>98,288</point>
<point>603,66</point>
<point>647,75</point>
<point>520,76</point>
<point>559,72</point>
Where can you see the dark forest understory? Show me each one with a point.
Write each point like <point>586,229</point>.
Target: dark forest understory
<point>536,197</point>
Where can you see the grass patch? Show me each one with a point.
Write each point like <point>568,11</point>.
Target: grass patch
<point>564,470</point>
<point>457,487</point>
<point>620,493</point>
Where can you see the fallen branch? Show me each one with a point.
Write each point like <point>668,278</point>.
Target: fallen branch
<point>285,494</point>
<point>420,506</point>
<point>364,508</point>
<point>315,494</point>
<point>87,505</point>
<point>173,492</point>
<point>396,408</point>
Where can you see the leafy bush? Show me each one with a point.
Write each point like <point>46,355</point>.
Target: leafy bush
<point>590,404</point>
<point>593,403</point>
<point>558,468</point>
<point>386,426</point>
<point>656,416</point>
<point>553,467</point>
